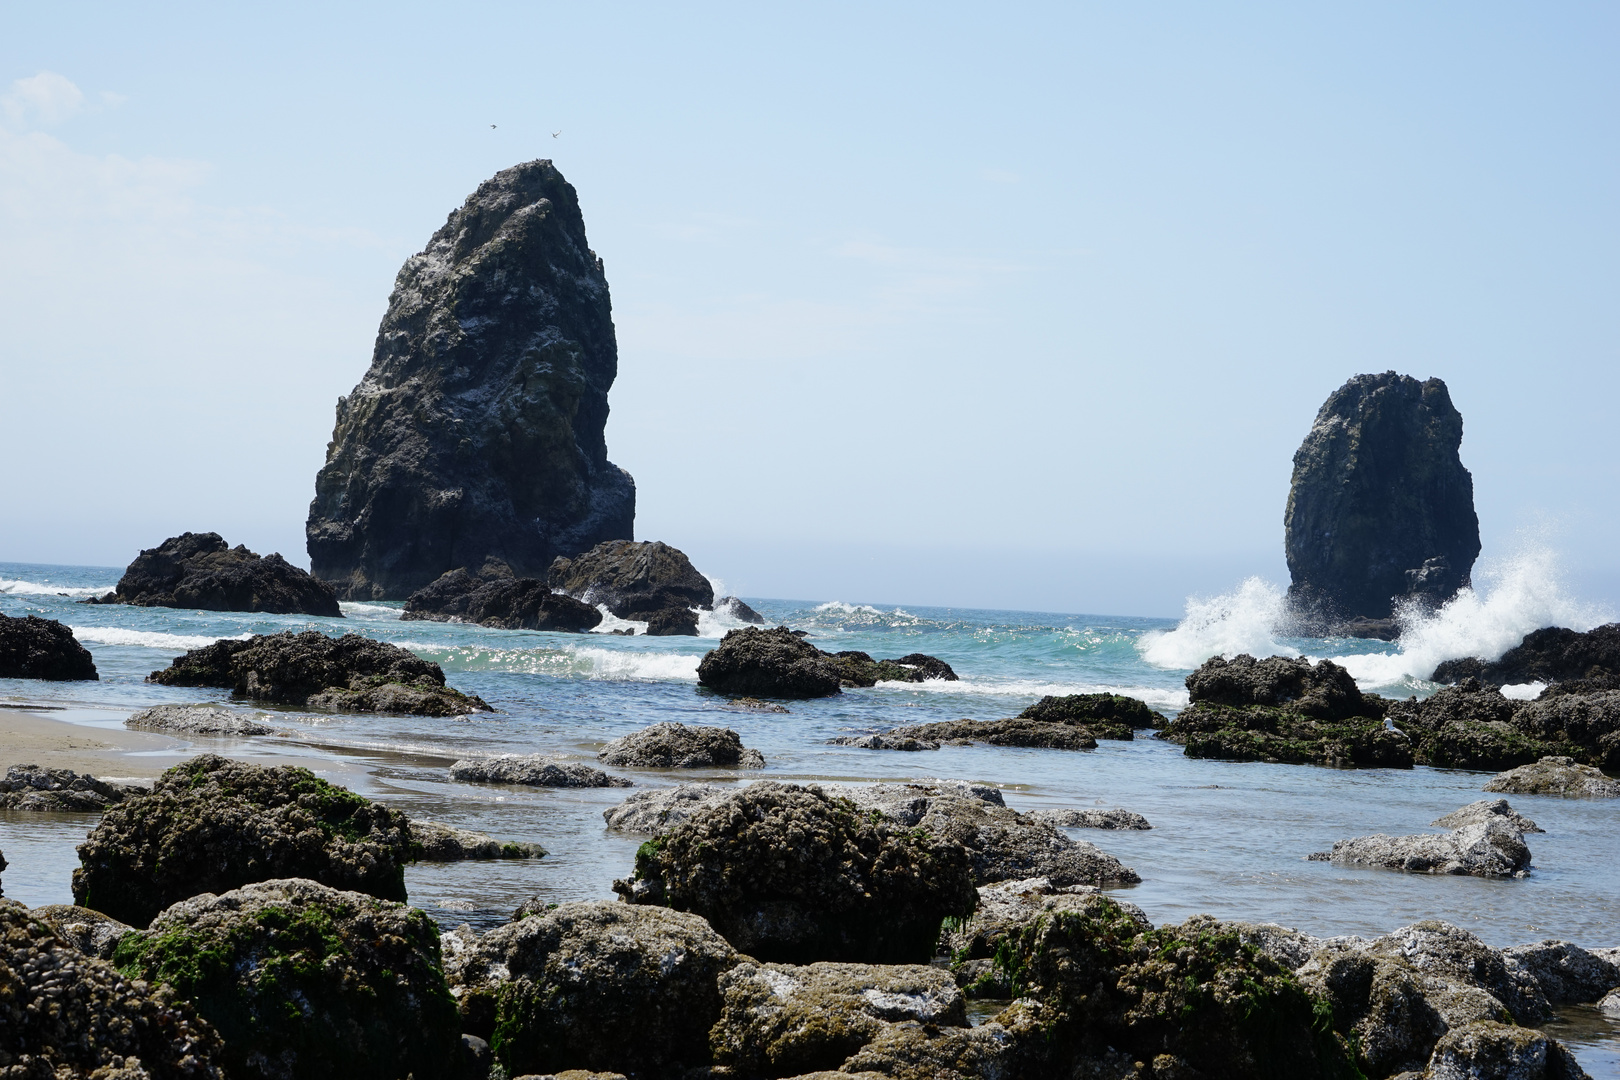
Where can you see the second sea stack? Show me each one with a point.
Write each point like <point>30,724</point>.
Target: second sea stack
<point>477,432</point>
<point>1380,508</point>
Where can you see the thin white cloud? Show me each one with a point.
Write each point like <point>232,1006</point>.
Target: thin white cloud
<point>43,99</point>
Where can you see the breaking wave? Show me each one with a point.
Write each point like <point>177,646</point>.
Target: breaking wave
<point>352,608</point>
<point>147,639</point>
<point>1246,620</point>
<point>18,587</point>
<point>1158,697</point>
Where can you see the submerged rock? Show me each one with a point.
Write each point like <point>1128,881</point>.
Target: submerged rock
<point>1485,810</point>
<point>446,843</point>
<point>1492,848</point>
<point>68,1016</point>
<point>1380,507</point>
<point>884,742</point>
<point>657,809</point>
<point>672,745</point>
<point>1556,776</point>
<point>532,770</point>
<point>478,429</point>
<point>1111,818</point>
<point>202,571</point>
<point>34,787</point>
<point>211,825</point>
<point>787,873</point>
<point>35,648</point>
<point>595,985</point>
<point>346,674</point>
<point>1551,655</point>
<point>211,720</point>
<point>504,602</point>
<point>769,663</point>
<point>304,981</point>
<point>91,932</point>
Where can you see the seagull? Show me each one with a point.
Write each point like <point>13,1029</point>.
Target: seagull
<point>554,134</point>
<point>492,127</point>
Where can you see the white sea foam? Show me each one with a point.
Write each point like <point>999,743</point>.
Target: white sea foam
<point>1523,593</point>
<point>611,622</point>
<point>354,607</point>
<point>18,587</point>
<point>636,664</point>
<point>1156,696</point>
<point>840,608</point>
<point>149,639</point>
<point>1245,620</point>
<point>1527,691</point>
<point>715,624</point>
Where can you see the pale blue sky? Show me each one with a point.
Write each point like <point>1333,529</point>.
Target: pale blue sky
<point>1008,306</point>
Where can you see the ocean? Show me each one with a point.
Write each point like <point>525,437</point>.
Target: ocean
<point>1229,839</point>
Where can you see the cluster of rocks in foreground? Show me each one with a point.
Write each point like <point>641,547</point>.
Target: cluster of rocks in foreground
<point>777,931</point>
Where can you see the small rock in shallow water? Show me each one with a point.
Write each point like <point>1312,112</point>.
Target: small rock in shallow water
<point>1487,810</point>
<point>35,787</point>
<point>1556,776</point>
<point>753,704</point>
<point>446,843</point>
<point>532,770</point>
<point>673,745</point>
<point>655,810</point>
<point>201,570</point>
<point>1490,849</point>
<point>1610,1005</point>
<point>196,720</point>
<point>884,742</point>
<point>1090,819</point>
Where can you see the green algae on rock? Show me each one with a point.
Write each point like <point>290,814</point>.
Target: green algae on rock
<point>346,674</point>
<point>305,982</point>
<point>211,824</point>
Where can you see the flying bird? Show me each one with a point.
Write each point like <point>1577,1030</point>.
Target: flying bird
<point>554,134</point>
<point>492,127</point>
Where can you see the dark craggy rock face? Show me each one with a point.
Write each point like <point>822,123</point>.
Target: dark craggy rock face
<point>200,570</point>
<point>478,429</point>
<point>1553,654</point>
<point>1323,690</point>
<point>769,663</point>
<point>1100,712</point>
<point>790,874</point>
<point>346,674</point>
<point>1473,726</point>
<point>634,579</point>
<point>680,746</point>
<point>212,824</point>
<point>1380,506</point>
<point>65,1015</point>
<point>504,602</point>
<point>35,648</point>
<point>304,981</point>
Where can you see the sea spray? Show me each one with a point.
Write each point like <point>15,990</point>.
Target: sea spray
<point>1246,620</point>
<point>147,639</point>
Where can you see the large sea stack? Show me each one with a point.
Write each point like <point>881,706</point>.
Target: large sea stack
<point>1380,509</point>
<point>477,433</point>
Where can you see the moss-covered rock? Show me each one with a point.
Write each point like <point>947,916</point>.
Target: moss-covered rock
<point>1041,734</point>
<point>346,674</point>
<point>1099,712</point>
<point>1560,776</point>
<point>1491,1051</point>
<point>67,1016</point>
<point>1468,726</point>
<point>673,745</point>
<point>595,985</point>
<point>211,824</point>
<point>791,874</point>
<point>1277,734</point>
<point>303,981</point>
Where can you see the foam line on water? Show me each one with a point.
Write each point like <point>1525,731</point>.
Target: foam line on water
<point>354,607</point>
<point>1158,697</point>
<point>18,587</point>
<point>148,639</point>
<point>1245,620</point>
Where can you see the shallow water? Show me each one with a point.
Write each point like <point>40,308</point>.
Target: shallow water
<point>1229,839</point>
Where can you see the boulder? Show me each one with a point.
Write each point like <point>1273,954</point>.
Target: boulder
<point>673,745</point>
<point>1111,818</point>
<point>211,825</point>
<point>1584,726</point>
<point>1490,849</point>
<point>1002,844</point>
<point>1467,726</point>
<point>346,674</point>
<point>1566,973</point>
<point>91,932</point>
<point>34,787</point>
<point>446,843</point>
<point>1442,950</point>
<point>1041,734</point>
<point>305,981</point>
<point>1550,655</point>
<point>68,1016</point>
<point>653,811</point>
<point>1104,714</point>
<point>914,1051</point>
<point>791,874</point>
<point>214,721</point>
<point>532,770</point>
<point>856,668</point>
<point>504,602</point>
<point>1476,813</point>
<point>671,622</point>
<point>35,648</point>
<point>734,607</point>
<point>769,663</point>
<point>1556,776</point>
<point>1610,1005</point>
<point>1321,691</point>
<point>595,985</point>
<point>478,429</point>
<point>632,578</point>
<point>884,742</point>
<point>783,1020</point>
<point>1380,507</point>
<point>202,571</point>
<point>1493,1051</point>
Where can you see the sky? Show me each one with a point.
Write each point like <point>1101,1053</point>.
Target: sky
<point>1013,306</point>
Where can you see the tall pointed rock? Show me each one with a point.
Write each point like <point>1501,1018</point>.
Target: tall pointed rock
<point>477,433</point>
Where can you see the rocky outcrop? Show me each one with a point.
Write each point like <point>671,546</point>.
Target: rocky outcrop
<point>214,721</point>
<point>593,985</point>
<point>884,742</point>
<point>202,571</point>
<point>653,811</point>
<point>34,787</point>
<point>1285,710</point>
<point>478,429</point>
<point>1489,1051</point>
<point>446,843</point>
<point>1580,725</point>
<point>1046,735</point>
<point>673,745</point>
<point>1553,654</point>
<point>787,873</point>
<point>780,663</point>
<point>1486,810</point>
<point>346,674</point>
<point>647,581</point>
<point>35,648</point>
<point>1380,508</point>
<point>785,1020</point>
<point>211,825</point>
<point>1565,972</point>
<point>532,770</point>
<point>68,1016</point>
<point>1490,849</point>
<point>1473,726</point>
<point>1110,716</point>
<point>1556,776</point>
<point>501,601</point>
<point>304,981</point>
<point>1112,818</point>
